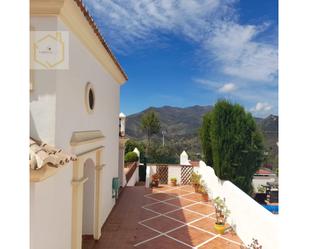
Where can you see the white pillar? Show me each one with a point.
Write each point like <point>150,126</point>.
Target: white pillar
<point>138,162</point>
<point>184,159</point>
<point>137,152</point>
<point>122,124</point>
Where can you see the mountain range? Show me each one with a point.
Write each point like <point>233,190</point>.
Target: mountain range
<point>180,128</point>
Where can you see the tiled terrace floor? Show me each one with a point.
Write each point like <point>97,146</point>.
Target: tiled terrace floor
<point>162,218</point>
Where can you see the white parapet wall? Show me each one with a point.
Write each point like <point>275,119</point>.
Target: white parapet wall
<point>150,170</point>
<point>174,171</point>
<point>249,218</point>
<point>134,178</point>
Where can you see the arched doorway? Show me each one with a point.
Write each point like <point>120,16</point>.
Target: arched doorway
<point>89,198</point>
<point>86,186</point>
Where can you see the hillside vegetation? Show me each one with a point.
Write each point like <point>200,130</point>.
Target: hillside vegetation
<point>181,127</point>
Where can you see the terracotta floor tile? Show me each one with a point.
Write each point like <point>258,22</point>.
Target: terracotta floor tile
<point>187,188</point>
<point>190,235</point>
<point>201,208</point>
<point>206,224</point>
<point>161,208</point>
<point>162,187</point>
<point>194,197</point>
<point>122,230</point>
<point>176,191</point>
<point>149,201</point>
<point>213,216</point>
<point>219,243</point>
<point>143,233</point>
<point>184,215</point>
<point>160,196</point>
<point>232,236</point>
<point>162,242</point>
<point>180,202</point>
<point>145,214</point>
<point>162,224</point>
<point>88,243</point>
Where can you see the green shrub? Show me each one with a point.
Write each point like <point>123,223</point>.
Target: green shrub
<point>132,144</point>
<point>131,157</point>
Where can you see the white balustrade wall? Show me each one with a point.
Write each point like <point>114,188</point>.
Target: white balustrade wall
<point>134,178</point>
<point>174,171</point>
<point>249,218</point>
<point>150,170</point>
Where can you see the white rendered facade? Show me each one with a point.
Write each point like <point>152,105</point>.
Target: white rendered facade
<point>57,111</point>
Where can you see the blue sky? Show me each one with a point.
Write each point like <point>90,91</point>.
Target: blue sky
<point>183,53</point>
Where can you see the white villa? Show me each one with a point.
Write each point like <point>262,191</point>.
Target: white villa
<point>76,156</point>
<point>74,130</point>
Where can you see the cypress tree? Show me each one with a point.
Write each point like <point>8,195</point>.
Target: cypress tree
<point>205,139</point>
<point>236,143</point>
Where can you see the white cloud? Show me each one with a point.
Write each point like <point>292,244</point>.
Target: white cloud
<point>263,98</point>
<point>134,21</point>
<point>207,83</point>
<point>211,24</point>
<point>234,48</point>
<point>217,86</point>
<point>226,88</point>
<point>261,108</point>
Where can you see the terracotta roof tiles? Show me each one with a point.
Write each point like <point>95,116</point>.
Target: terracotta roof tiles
<point>42,154</point>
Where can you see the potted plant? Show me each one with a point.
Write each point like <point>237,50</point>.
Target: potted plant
<point>203,190</point>
<point>254,245</point>
<point>155,180</point>
<point>195,180</point>
<point>173,181</point>
<point>222,213</point>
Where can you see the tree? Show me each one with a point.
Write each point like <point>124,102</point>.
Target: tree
<point>162,154</point>
<point>206,140</point>
<point>151,125</point>
<point>236,144</point>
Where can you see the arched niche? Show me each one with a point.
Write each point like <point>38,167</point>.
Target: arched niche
<point>87,175</point>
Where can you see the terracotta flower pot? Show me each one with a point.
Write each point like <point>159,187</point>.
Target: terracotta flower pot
<point>155,183</point>
<point>173,183</point>
<point>196,187</point>
<point>205,196</point>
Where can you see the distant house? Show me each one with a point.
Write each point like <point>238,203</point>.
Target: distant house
<point>262,176</point>
<point>74,130</point>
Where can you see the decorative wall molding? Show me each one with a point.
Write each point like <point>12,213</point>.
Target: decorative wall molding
<point>85,137</point>
<point>80,181</point>
<point>43,173</point>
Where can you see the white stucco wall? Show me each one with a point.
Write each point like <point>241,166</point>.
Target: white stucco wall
<point>71,102</point>
<point>134,178</point>
<point>150,170</point>
<point>121,166</point>
<point>174,171</point>
<point>50,217</point>
<point>43,97</point>
<point>58,109</point>
<point>89,193</point>
<point>250,219</point>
